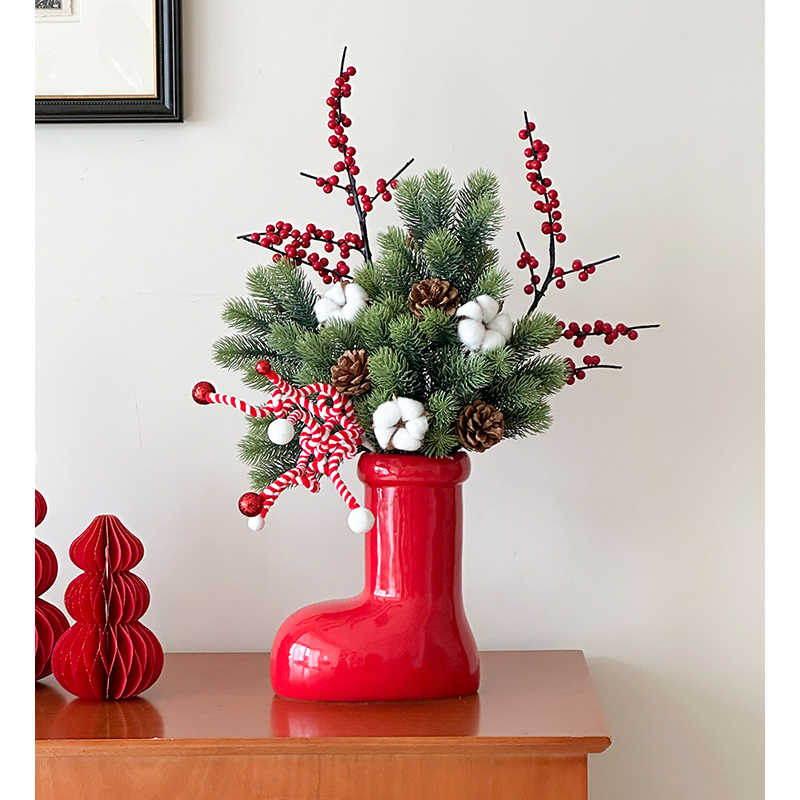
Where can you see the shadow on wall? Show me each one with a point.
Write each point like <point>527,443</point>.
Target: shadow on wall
<point>705,745</point>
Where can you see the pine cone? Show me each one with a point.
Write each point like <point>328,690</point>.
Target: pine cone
<point>349,375</point>
<point>480,426</point>
<point>433,293</point>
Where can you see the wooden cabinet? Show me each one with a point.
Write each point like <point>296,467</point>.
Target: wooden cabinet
<point>211,727</point>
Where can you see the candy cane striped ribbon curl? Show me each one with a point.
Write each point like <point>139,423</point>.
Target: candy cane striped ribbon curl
<point>321,410</point>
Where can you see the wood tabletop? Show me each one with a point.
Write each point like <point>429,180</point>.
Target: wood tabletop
<point>537,701</point>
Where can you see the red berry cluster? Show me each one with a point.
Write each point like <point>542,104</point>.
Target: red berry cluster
<point>611,333</point>
<point>573,371</point>
<point>299,241</point>
<point>536,154</point>
<point>288,242</point>
<point>339,141</point>
<point>529,262</point>
<point>577,266</point>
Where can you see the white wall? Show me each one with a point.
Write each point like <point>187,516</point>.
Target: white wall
<point>632,529</point>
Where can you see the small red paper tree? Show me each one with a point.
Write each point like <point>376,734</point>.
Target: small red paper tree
<point>107,654</point>
<point>50,622</point>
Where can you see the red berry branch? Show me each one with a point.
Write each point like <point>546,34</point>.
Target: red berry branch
<point>589,362</point>
<point>536,153</point>
<point>609,332</point>
<point>297,250</point>
<point>275,237</point>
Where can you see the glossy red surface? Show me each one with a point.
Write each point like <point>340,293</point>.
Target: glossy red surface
<point>405,637</point>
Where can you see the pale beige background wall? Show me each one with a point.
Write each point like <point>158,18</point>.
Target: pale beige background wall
<point>633,528</point>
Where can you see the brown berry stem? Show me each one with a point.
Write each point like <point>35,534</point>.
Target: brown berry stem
<point>360,213</point>
<point>538,294</point>
<point>627,328</point>
<point>316,177</point>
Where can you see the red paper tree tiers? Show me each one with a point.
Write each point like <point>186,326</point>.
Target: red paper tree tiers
<point>50,623</point>
<point>106,546</point>
<point>117,598</point>
<point>107,662</point>
<point>107,654</point>
<point>40,507</point>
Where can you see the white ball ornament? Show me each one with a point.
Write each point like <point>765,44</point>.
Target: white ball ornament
<point>360,520</point>
<point>256,523</point>
<point>280,431</point>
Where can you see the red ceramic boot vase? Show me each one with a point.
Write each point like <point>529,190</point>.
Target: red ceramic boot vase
<point>406,636</point>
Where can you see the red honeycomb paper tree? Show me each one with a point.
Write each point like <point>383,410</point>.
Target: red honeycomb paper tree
<point>107,654</point>
<point>50,622</point>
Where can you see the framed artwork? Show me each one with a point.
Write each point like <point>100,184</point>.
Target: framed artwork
<point>108,61</point>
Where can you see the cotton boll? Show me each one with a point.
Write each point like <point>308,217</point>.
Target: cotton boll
<point>337,294</point>
<point>492,341</point>
<point>348,313</point>
<point>471,333</point>
<point>489,306</point>
<point>323,308</point>
<point>417,427</point>
<point>470,310</point>
<point>280,431</point>
<point>256,523</point>
<point>403,440</point>
<point>386,415</point>
<point>354,293</point>
<point>384,436</point>
<point>502,324</point>
<point>360,520</point>
<point>410,408</point>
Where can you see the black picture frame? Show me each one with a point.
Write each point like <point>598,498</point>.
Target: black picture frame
<point>166,106</point>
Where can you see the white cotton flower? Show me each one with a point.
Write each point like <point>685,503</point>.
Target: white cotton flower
<point>483,325</point>
<point>341,301</point>
<point>400,424</point>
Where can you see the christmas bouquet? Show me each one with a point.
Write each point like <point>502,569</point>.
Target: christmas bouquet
<point>406,355</point>
<point>412,348</point>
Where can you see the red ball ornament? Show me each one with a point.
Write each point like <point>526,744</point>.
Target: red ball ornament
<point>201,391</point>
<point>251,504</point>
<point>263,367</point>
